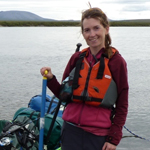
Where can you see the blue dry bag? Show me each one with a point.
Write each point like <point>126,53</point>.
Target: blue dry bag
<point>50,105</point>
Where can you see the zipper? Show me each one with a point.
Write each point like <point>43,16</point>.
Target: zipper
<point>86,87</point>
<point>87,82</point>
<point>84,93</point>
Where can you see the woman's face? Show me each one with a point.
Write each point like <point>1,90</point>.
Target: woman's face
<point>94,34</point>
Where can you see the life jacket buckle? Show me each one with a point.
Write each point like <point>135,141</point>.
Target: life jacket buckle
<point>89,98</point>
<point>82,55</point>
<point>85,98</point>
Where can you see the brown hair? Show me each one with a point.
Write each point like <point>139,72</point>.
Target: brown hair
<point>98,14</point>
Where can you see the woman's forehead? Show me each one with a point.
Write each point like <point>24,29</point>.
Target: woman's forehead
<point>91,22</point>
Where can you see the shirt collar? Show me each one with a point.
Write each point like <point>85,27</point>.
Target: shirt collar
<point>92,59</point>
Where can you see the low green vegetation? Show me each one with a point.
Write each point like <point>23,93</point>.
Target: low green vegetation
<point>130,23</point>
<point>37,23</point>
<point>71,23</point>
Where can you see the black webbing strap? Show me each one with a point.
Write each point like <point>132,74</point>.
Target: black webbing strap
<point>77,70</point>
<point>37,121</point>
<point>31,115</point>
<point>88,99</point>
<point>101,68</point>
<point>50,105</point>
<point>53,121</point>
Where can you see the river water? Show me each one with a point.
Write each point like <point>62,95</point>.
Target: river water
<point>24,50</point>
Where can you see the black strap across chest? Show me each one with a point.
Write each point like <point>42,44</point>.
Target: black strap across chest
<point>78,68</point>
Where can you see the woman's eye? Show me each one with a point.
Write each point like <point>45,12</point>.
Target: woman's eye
<point>96,28</point>
<point>86,30</point>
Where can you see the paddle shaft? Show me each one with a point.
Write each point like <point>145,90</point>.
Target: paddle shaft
<point>42,119</point>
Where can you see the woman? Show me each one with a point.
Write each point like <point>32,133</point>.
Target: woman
<point>88,121</point>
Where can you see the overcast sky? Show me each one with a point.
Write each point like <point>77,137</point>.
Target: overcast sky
<point>71,9</point>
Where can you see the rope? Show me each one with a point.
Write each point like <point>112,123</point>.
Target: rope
<point>134,135</point>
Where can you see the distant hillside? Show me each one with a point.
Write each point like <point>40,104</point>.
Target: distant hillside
<point>24,18</point>
<point>20,16</point>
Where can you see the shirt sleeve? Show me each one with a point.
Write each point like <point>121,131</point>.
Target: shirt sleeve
<point>118,68</point>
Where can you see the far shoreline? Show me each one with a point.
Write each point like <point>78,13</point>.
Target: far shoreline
<point>128,23</point>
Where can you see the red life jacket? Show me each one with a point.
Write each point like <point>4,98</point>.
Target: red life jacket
<point>94,85</point>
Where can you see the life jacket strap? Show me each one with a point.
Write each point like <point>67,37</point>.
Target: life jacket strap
<point>78,67</point>
<point>101,68</point>
<point>77,70</point>
<point>85,98</point>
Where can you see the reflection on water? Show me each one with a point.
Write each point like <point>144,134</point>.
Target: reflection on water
<point>24,50</point>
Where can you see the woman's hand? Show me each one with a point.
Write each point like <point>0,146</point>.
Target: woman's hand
<point>109,146</point>
<point>49,75</point>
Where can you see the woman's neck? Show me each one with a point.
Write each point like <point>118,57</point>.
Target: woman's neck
<point>94,51</point>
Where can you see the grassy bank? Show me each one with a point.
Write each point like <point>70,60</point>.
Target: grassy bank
<point>69,23</point>
<point>130,23</point>
<point>36,23</point>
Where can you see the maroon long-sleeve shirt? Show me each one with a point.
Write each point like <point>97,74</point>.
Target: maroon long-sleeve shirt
<point>118,68</point>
